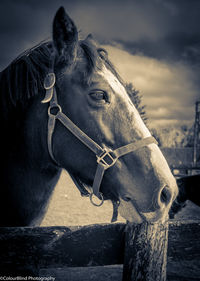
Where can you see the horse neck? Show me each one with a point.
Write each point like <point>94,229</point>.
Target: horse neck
<point>28,175</point>
<point>24,142</point>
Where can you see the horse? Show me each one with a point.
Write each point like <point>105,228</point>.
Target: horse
<point>63,105</point>
<point>189,189</point>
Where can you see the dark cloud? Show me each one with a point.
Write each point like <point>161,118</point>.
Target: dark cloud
<point>175,46</point>
<point>158,28</point>
<point>179,37</point>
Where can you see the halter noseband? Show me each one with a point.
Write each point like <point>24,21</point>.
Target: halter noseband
<point>106,158</point>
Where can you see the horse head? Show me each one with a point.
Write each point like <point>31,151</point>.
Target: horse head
<point>92,119</point>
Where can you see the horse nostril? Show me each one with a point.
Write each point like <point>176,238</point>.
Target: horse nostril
<point>166,195</point>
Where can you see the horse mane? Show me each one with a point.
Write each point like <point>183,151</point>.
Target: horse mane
<point>24,77</point>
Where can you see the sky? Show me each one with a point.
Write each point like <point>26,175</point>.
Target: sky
<point>155,44</point>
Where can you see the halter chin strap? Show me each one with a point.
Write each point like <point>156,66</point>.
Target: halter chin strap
<point>106,158</point>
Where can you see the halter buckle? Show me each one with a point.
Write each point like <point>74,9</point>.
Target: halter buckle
<point>106,159</point>
<point>49,81</point>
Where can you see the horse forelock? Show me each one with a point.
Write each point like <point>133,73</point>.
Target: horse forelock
<point>95,58</point>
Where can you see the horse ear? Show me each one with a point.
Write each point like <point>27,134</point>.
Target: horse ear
<point>65,38</point>
<point>89,37</point>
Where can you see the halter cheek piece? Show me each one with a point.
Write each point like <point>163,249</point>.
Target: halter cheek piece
<point>106,158</point>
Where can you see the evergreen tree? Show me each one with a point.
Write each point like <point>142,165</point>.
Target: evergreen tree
<point>136,98</point>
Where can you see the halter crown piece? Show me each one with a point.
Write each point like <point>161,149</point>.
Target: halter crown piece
<point>106,158</point>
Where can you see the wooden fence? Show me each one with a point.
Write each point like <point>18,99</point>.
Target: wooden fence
<point>78,253</point>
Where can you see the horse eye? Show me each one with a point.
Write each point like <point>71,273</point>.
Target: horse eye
<point>98,95</point>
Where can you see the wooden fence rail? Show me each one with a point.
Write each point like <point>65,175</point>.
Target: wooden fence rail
<point>49,248</point>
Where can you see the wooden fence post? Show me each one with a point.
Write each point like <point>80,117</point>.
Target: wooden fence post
<point>145,252</point>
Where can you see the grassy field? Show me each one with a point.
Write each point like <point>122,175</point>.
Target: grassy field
<point>67,207</point>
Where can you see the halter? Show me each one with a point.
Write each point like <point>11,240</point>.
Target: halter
<point>106,158</point>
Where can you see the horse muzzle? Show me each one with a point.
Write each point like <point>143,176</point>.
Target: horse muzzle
<point>129,210</point>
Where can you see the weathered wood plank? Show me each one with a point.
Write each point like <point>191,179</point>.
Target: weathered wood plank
<point>54,247</point>
<point>61,246</point>
<point>95,273</point>
<point>101,273</point>
<point>145,252</point>
<point>184,250</point>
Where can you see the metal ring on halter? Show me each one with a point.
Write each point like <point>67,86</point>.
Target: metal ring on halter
<point>95,204</point>
<point>57,106</point>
